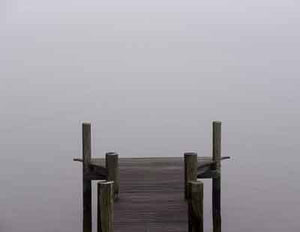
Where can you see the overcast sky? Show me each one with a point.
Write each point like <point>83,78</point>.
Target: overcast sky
<point>148,73</point>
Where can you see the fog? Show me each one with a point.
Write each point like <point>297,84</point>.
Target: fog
<point>150,76</point>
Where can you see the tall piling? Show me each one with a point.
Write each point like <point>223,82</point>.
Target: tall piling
<point>87,185</point>
<point>216,183</point>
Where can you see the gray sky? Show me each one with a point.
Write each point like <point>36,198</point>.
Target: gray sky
<point>150,75</point>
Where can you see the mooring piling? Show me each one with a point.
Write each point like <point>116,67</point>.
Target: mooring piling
<point>216,183</point>
<point>105,206</point>
<point>113,174</point>
<point>86,183</point>
<point>190,170</point>
<point>195,207</point>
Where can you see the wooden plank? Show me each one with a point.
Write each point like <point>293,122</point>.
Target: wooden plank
<point>95,171</point>
<point>216,183</point>
<point>208,174</point>
<point>205,162</point>
<point>95,176</point>
<point>98,162</point>
<point>152,196</point>
<point>206,168</point>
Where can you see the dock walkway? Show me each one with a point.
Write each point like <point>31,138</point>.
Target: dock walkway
<point>151,196</point>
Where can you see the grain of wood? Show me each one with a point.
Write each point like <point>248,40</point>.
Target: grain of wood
<point>216,183</point>
<point>105,206</point>
<point>113,173</point>
<point>86,183</point>
<point>152,196</point>
<point>190,170</point>
<point>195,208</point>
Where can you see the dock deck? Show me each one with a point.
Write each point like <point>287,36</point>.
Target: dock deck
<point>151,196</point>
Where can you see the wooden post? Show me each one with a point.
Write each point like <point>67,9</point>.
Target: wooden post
<point>216,183</point>
<point>105,206</point>
<point>113,174</point>
<point>86,183</point>
<point>195,206</point>
<point>190,170</point>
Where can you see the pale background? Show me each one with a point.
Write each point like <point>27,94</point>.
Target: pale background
<point>151,76</point>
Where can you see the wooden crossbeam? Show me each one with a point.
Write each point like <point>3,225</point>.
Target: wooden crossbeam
<point>211,162</point>
<point>205,169</point>
<point>95,170</point>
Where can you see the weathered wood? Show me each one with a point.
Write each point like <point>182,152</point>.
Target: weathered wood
<point>95,176</point>
<point>216,183</point>
<point>195,206</point>
<point>95,171</point>
<point>98,162</point>
<point>208,174</point>
<point>210,162</point>
<point>105,207</point>
<point>113,174</point>
<point>86,144</point>
<point>86,182</point>
<point>152,196</point>
<point>190,170</point>
<point>206,168</point>
<point>99,172</point>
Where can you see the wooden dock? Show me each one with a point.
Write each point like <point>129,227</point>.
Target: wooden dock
<point>150,194</point>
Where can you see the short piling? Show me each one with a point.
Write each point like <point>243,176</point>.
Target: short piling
<point>190,170</point>
<point>105,207</point>
<point>113,173</point>
<point>195,207</point>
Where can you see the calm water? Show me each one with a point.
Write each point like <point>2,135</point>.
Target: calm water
<point>41,186</point>
<point>151,76</point>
